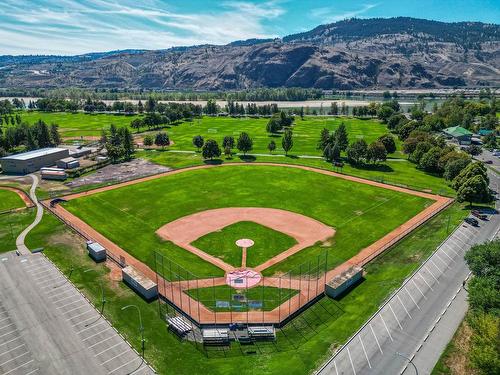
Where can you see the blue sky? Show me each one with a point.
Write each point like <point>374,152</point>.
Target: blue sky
<point>72,27</point>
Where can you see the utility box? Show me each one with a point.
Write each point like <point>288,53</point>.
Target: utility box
<point>143,286</point>
<point>96,251</point>
<point>342,283</point>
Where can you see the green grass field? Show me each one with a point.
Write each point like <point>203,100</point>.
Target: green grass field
<point>11,225</point>
<point>129,216</point>
<point>9,200</point>
<point>170,356</point>
<point>268,243</point>
<point>269,297</point>
<point>78,124</point>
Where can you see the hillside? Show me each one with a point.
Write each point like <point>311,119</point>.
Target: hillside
<point>351,54</point>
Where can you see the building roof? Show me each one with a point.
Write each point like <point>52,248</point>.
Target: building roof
<point>457,131</point>
<point>485,131</point>
<point>34,154</point>
<point>69,159</point>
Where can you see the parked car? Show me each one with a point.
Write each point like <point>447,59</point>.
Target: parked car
<point>472,221</point>
<point>478,214</point>
<point>488,162</point>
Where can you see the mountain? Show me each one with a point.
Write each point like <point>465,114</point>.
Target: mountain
<point>352,54</point>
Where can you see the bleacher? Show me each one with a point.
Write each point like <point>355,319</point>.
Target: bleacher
<point>215,336</point>
<point>262,332</point>
<point>179,325</point>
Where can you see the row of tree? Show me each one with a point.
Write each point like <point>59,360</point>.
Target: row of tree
<point>37,135</point>
<point>483,317</point>
<point>119,143</point>
<point>471,184</point>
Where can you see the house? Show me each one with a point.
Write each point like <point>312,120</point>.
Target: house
<point>461,135</point>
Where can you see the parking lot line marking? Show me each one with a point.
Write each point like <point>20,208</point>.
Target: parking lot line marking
<point>92,326</point>
<point>428,270</point>
<point>35,274</point>
<point>458,238</point>
<point>18,367</point>
<point>63,293</point>
<point>116,356</point>
<point>439,269</point>
<point>95,334</point>
<point>62,299</point>
<point>8,325</point>
<point>350,359</point>
<point>449,247</point>
<point>125,364</point>
<point>395,317</point>
<point>60,307</point>
<point>401,302</point>
<point>12,359</point>
<point>14,339</point>
<point>376,339</point>
<point>335,365</point>
<point>100,342</point>
<point>1,320</point>
<point>8,351</point>
<point>441,259</point>
<point>48,278</point>
<point>31,372</point>
<point>364,351</point>
<point>444,252</point>
<point>8,333</point>
<point>84,321</point>
<point>425,281</point>
<point>416,286</point>
<point>385,325</point>
<point>141,368</point>
<point>74,308</point>
<point>105,350</point>
<point>31,266</point>
<point>76,316</point>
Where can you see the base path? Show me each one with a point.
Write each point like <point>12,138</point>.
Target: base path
<point>308,289</point>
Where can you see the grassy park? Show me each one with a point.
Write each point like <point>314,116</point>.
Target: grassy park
<point>129,216</point>
<point>221,244</point>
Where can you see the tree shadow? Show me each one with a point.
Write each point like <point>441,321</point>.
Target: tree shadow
<point>373,167</point>
<point>213,161</point>
<point>292,156</point>
<point>247,158</point>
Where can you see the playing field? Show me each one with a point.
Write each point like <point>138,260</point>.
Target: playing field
<point>9,200</point>
<point>360,213</point>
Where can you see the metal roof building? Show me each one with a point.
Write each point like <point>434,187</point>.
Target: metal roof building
<point>461,135</point>
<point>32,161</point>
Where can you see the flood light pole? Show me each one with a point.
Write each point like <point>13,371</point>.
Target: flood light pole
<point>409,361</point>
<point>141,327</point>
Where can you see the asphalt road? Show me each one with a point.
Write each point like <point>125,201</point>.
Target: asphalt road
<point>48,327</point>
<point>418,320</point>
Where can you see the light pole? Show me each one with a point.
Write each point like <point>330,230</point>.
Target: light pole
<point>69,277</point>
<point>103,299</point>
<point>141,328</point>
<point>409,360</point>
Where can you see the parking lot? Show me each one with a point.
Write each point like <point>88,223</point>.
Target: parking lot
<point>48,327</point>
<point>403,319</point>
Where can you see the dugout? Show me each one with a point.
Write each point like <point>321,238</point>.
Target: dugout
<point>342,283</point>
<point>143,286</point>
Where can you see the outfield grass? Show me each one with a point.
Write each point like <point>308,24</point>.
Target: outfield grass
<point>360,213</point>
<point>9,200</point>
<point>394,171</point>
<point>171,356</point>
<point>268,243</point>
<point>78,124</point>
<point>268,296</point>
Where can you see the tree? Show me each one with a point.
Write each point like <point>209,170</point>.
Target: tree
<point>472,170</point>
<point>162,139</point>
<point>271,146</point>
<point>335,152</point>
<point>54,134</point>
<point>140,107</point>
<point>127,142</point>
<point>341,138</point>
<point>42,134</point>
<point>475,189</point>
<point>388,142</point>
<point>148,140</point>
<point>244,143</point>
<point>324,139</point>
<point>210,150</point>
<point>273,125</point>
<point>384,113</point>
<point>430,160</point>
<point>376,152</point>
<point>228,152</point>
<point>137,124</point>
<point>490,141</point>
<point>484,259</point>
<point>287,141</point>
<point>198,141</point>
<point>454,167</point>
<point>228,141</point>
<point>150,105</point>
<point>357,151</point>
<point>474,150</point>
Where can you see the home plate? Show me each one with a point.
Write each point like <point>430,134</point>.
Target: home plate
<point>242,279</point>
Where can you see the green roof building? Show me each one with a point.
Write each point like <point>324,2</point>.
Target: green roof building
<point>461,135</point>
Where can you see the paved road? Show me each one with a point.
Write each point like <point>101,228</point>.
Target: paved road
<point>406,321</point>
<point>48,327</point>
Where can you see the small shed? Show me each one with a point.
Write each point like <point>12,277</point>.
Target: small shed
<point>343,282</point>
<point>461,135</point>
<point>96,251</point>
<point>68,163</point>
<point>143,286</point>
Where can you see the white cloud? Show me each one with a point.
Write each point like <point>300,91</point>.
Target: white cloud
<point>330,14</point>
<point>74,27</point>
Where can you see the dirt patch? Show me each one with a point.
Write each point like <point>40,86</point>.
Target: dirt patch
<point>458,361</point>
<point>130,170</point>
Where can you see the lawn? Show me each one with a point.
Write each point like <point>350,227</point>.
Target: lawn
<point>260,298</point>
<point>9,200</point>
<point>360,213</point>
<point>11,225</point>
<point>311,346</point>
<point>78,124</point>
<point>267,243</point>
